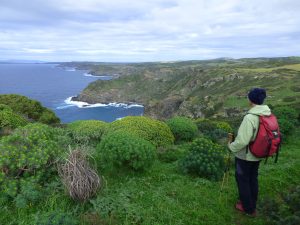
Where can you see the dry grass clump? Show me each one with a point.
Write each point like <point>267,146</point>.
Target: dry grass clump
<point>81,181</point>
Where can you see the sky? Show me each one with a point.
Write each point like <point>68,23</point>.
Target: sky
<point>148,30</point>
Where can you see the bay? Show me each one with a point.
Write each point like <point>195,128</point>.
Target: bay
<point>53,86</point>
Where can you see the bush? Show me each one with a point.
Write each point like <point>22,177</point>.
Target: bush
<point>87,131</point>
<point>55,218</point>
<point>292,199</point>
<point>284,210</point>
<point>25,157</point>
<point>157,132</point>
<point>126,150</point>
<point>204,159</point>
<point>214,130</point>
<point>287,118</point>
<point>183,129</point>
<point>222,125</point>
<point>5,107</point>
<point>9,119</point>
<point>31,109</point>
<point>171,153</point>
<point>115,208</point>
<point>48,117</point>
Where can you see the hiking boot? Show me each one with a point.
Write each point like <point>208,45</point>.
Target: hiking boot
<point>240,207</point>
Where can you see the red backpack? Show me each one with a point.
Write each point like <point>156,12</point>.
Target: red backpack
<point>268,138</point>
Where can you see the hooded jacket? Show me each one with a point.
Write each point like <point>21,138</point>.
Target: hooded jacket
<point>247,132</point>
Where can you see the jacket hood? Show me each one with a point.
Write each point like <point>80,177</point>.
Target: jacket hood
<point>260,110</point>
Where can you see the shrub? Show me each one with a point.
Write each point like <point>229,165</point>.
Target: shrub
<point>55,218</point>
<point>205,159</point>
<point>61,137</point>
<point>183,128</point>
<point>157,132</point>
<point>171,153</point>
<point>87,131</point>
<point>9,119</point>
<point>292,199</point>
<point>284,210</point>
<point>4,107</point>
<point>31,109</point>
<point>214,130</point>
<point>25,157</point>
<point>222,125</point>
<point>48,117</point>
<point>117,207</point>
<point>126,150</point>
<point>287,118</point>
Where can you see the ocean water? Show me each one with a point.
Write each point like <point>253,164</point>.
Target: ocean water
<point>54,86</point>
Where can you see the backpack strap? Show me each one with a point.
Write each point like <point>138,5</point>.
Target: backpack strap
<point>279,148</point>
<point>247,147</point>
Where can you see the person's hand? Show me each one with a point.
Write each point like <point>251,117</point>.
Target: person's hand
<point>230,137</point>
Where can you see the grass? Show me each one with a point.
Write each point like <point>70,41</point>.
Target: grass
<point>163,196</point>
<point>234,101</point>
<point>295,67</point>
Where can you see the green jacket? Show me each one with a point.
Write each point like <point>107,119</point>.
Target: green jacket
<point>247,132</point>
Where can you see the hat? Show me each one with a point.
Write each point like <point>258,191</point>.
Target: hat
<point>257,95</point>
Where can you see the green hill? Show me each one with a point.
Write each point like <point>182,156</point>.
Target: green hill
<point>150,171</point>
<point>195,88</point>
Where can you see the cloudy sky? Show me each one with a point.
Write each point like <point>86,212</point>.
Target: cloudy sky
<point>148,30</point>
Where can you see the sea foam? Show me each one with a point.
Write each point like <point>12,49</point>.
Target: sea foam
<point>80,104</point>
<point>91,75</point>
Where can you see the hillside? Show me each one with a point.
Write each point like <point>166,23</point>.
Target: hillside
<point>195,88</point>
<point>136,170</point>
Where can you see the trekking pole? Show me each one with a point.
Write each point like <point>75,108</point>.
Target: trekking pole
<point>227,160</point>
<point>225,179</point>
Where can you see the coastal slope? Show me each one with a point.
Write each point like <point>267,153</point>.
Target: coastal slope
<point>196,88</point>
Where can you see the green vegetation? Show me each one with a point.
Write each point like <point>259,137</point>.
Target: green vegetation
<point>214,130</point>
<point>211,88</point>
<point>122,149</point>
<point>147,178</point>
<point>55,218</point>
<point>87,131</point>
<point>283,210</point>
<point>9,119</point>
<point>158,195</point>
<point>172,153</point>
<point>184,129</point>
<point>205,159</point>
<point>25,158</point>
<point>30,109</point>
<point>157,132</point>
<point>287,118</point>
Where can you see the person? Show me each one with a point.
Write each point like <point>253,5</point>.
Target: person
<point>246,164</point>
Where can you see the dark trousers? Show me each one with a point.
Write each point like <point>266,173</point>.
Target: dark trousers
<point>246,173</point>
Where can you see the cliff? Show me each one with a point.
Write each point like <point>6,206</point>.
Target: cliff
<point>198,88</point>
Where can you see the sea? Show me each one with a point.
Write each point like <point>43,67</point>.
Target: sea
<point>54,87</point>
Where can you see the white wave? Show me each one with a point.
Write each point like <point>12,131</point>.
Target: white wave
<point>91,75</point>
<point>64,106</point>
<point>88,75</point>
<point>135,105</point>
<point>79,104</point>
<point>119,118</point>
<point>70,69</point>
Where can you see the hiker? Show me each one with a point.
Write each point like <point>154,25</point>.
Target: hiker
<point>246,164</point>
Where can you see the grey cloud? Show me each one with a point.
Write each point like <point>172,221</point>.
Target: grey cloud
<point>135,30</point>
